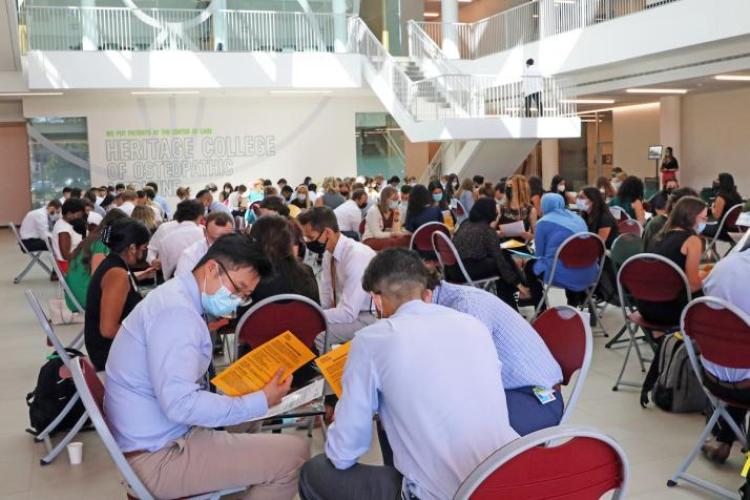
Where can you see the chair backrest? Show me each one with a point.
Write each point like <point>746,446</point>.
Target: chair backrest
<point>581,250</point>
<point>653,278</point>
<point>630,226</point>
<point>568,336</point>
<point>61,279</point>
<point>729,221</point>
<point>585,466</point>
<point>625,246</point>
<point>18,237</point>
<point>91,391</point>
<point>619,214</point>
<point>52,339</point>
<point>362,226</point>
<point>275,315</point>
<point>720,329</point>
<point>421,239</point>
<point>447,254</point>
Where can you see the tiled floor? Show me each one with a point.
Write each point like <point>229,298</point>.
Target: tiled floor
<point>655,441</point>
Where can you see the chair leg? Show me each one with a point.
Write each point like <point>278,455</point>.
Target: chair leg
<point>23,273</point>
<point>541,302</point>
<point>595,311</point>
<point>42,436</point>
<point>616,339</point>
<point>49,457</point>
<point>38,260</point>
<point>619,381</point>
<point>682,469</point>
<point>78,341</point>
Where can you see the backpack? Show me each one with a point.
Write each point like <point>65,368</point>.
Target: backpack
<point>677,389</point>
<point>50,396</point>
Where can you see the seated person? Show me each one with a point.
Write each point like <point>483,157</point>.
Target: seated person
<point>186,210</point>
<point>630,199</point>
<point>113,291</point>
<point>726,198</point>
<point>658,202</point>
<point>728,281</point>
<point>345,304</point>
<point>382,223</point>
<point>158,404</point>
<point>349,214</point>
<point>36,225</point>
<point>400,369</point>
<point>302,198</point>
<point>217,225</point>
<point>68,231</point>
<point>526,361</point>
<point>478,245</point>
<point>86,259</point>
<point>517,205</point>
<point>422,208</point>
<point>557,225</point>
<point>656,223</point>
<point>187,232</point>
<point>596,213</point>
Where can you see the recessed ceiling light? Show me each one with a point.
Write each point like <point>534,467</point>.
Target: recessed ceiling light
<point>300,92</point>
<point>588,101</point>
<point>733,78</point>
<point>165,92</point>
<point>29,94</point>
<point>656,91</point>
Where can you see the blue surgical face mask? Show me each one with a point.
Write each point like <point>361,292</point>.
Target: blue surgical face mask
<point>221,303</point>
<point>437,197</point>
<point>700,227</point>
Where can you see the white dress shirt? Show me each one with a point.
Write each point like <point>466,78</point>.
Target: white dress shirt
<point>161,232</point>
<point>349,216</point>
<point>374,225</point>
<point>62,226</point>
<point>127,207</point>
<point>351,260</point>
<point>35,224</point>
<point>531,81</point>
<point>191,256</point>
<point>433,376</point>
<point>172,246</point>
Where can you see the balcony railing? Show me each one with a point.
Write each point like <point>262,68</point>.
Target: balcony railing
<point>122,28</point>
<point>532,21</point>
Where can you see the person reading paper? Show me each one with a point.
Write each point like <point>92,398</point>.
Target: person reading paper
<point>415,369</point>
<point>157,404</point>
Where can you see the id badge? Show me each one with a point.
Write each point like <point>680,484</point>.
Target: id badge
<point>545,396</point>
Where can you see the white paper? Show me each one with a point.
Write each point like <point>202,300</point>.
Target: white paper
<point>295,399</point>
<point>513,229</point>
<point>743,219</point>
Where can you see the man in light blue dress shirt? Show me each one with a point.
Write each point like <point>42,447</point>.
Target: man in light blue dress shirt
<point>161,201</point>
<point>156,401</point>
<point>526,360</point>
<point>432,376</point>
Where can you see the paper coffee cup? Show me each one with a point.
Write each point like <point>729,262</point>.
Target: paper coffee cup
<point>75,453</point>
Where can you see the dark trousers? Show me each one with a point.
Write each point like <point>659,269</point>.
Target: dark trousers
<point>320,480</point>
<point>722,431</point>
<point>528,415</point>
<point>536,97</point>
<point>35,245</point>
<point>488,268</point>
<point>534,282</point>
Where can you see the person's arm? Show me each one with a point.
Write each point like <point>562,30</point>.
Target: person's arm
<point>718,209</point>
<point>352,296</point>
<point>603,232</point>
<point>532,220</point>
<point>64,242</point>
<point>96,259</point>
<point>115,287</point>
<point>175,365</point>
<point>692,249</point>
<point>41,228</point>
<point>374,221</point>
<point>326,287</point>
<point>640,212</point>
<point>540,240</point>
<point>350,435</point>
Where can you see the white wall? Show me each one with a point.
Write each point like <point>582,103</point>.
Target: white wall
<point>291,137</point>
<point>635,128</point>
<point>716,138</point>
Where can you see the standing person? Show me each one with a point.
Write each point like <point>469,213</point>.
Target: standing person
<point>36,226</point>
<point>382,221</point>
<point>345,304</point>
<point>669,166</point>
<point>397,369</point>
<point>217,225</point>
<point>68,231</point>
<point>466,194</point>
<point>532,84</point>
<point>158,404</point>
<point>162,201</point>
<point>112,291</point>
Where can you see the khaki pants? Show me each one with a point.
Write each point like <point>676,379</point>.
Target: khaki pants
<point>207,460</point>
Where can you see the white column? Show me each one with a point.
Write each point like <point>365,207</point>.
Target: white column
<point>340,34</point>
<point>550,160</point>
<point>449,15</point>
<point>90,29</point>
<point>220,25</point>
<point>670,122</point>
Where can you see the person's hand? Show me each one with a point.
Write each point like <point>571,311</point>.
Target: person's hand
<point>277,388</point>
<point>524,291</point>
<point>156,264</point>
<point>527,236</point>
<point>145,274</point>
<point>500,231</point>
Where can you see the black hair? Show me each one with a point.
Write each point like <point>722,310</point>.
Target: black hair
<point>219,218</point>
<point>188,210</point>
<point>119,185</point>
<point>443,204</point>
<point>358,194</point>
<point>312,187</point>
<point>419,199</point>
<point>598,207</point>
<point>275,203</point>
<point>84,248</point>
<point>395,272</point>
<point>484,210</point>
<point>535,186</point>
<point>406,189</point>
<point>235,251</point>
<point>287,189</point>
<point>73,205</point>
<point>153,186</point>
<point>631,189</point>
<point>66,189</point>
<point>107,201</point>
<point>54,203</point>
<point>91,195</point>
<point>307,180</point>
<point>677,194</point>
<point>281,180</point>
<point>726,188</point>
<point>319,218</point>
<point>202,193</point>
<point>555,181</point>
<point>394,179</point>
<point>140,193</point>
<point>267,182</point>
<point>75,192</point>
<point>150,193</point>
<point>478,180</point>
<point>529,62</point>
<point>125,232</point>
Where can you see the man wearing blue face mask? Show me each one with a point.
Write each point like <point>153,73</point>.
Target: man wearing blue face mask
<point>157,403</point>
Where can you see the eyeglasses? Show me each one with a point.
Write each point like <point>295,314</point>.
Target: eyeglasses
<point>244,299</point>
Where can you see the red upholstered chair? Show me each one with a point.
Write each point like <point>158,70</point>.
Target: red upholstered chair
<point>630,226</point>
<point>720,331</point>
<point>448,257</point>
<point>568,337</point>
<point>538,466</point>
<point>459,212</point>
<point>421,239</point>
<point>91,390</point>
<point>728,223</point>
<point>361,228</point>
<point>653,278</point>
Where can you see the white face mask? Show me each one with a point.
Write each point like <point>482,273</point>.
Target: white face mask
<point>561,188</point>
<point>301,197</point>
<point>582,204</point>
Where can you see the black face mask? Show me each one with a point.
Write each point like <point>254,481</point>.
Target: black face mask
<point>345,194</point>
<point>316,246</point>
<point>509,192</point>
<point>669,190</point>
<point>79,226</point>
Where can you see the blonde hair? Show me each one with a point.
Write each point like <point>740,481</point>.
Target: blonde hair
<point>521,190</point>
<point>302,189</point>
<point>385,195</point>
<point>145,214</point>
<point>330,185</point>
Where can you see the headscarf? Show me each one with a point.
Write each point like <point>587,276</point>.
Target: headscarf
<point>553,208</point>
<point>484,210</point>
